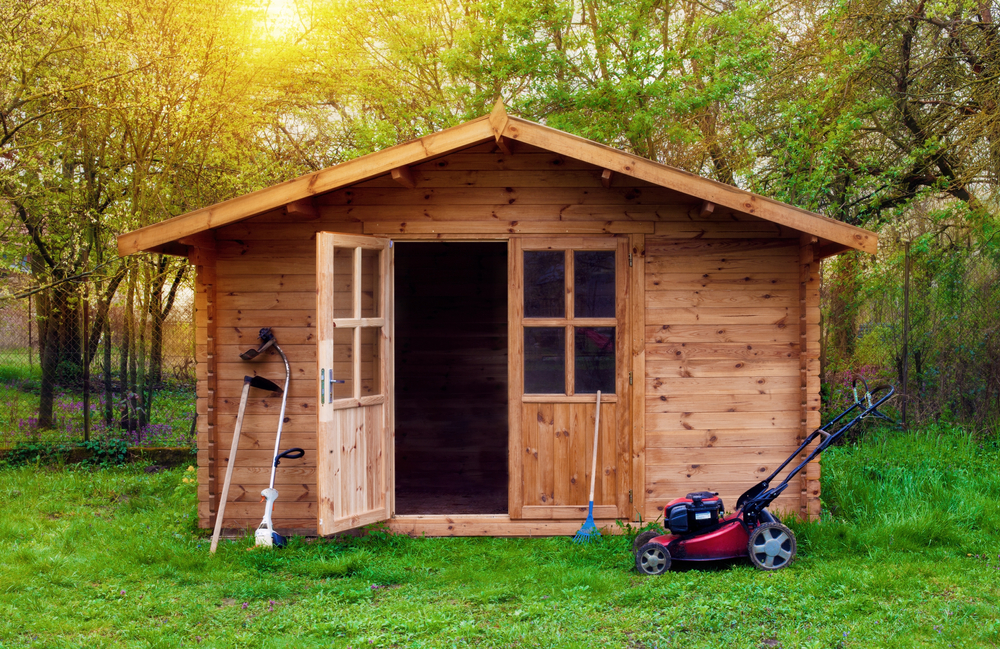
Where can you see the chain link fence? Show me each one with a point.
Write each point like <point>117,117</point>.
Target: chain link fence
<point>135,376</point>
<point>923,317</point>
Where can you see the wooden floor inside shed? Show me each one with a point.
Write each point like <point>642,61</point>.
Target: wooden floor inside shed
<point>451,378</point>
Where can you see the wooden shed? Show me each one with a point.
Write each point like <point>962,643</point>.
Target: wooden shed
<point>474,289</point>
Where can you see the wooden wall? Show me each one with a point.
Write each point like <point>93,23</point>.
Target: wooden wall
<point>721,306</point>
<point>724,367</point>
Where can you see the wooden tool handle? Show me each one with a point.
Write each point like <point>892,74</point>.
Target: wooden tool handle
<point>229,467</point>
<point>597,429</point>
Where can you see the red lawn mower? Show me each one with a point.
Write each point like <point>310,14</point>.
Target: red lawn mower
<point>699,532</point>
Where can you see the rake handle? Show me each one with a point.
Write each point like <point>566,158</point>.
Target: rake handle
<point>597,430</point>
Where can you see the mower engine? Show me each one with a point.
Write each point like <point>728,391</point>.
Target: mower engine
<point>693,513</point>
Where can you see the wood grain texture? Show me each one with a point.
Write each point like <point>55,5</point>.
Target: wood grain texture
<point>712,314</point>
<point>558,445</point>
<point>235,209</point>
<point>723,379</point>
<point>353,445</point>
<point>638,387</point>
<point>515,378</point>
<point>628,165</point>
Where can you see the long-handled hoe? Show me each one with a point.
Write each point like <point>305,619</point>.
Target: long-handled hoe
<point>265,534</point>
<point>248,382</point>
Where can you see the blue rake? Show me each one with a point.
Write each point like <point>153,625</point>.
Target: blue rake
<point>589,532</point>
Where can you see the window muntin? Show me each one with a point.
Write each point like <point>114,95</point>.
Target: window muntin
<point>569,323</point>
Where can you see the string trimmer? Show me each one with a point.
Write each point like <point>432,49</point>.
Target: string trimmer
<point>248,382</point>
<point>265,534</point>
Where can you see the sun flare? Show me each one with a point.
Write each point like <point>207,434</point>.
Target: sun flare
<point>280,16</point>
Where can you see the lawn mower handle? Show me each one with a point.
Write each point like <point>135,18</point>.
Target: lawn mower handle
<point>758,497</point>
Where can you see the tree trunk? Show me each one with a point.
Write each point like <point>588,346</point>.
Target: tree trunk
<point>108,395</point>
<point>139,381</point>
<point>126,345</point>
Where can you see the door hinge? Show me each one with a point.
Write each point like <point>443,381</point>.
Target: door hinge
<point>630,495</point>
<point>630,260</point>
<point>630,378</point>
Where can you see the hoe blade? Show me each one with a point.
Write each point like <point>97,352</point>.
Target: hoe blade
<point>263,384</point>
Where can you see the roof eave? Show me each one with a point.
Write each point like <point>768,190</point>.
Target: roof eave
<point>498,125</point>
<point>716,192</point>
<point>368,166</point>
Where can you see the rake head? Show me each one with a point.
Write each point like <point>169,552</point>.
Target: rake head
<point>589,532</point>
<point>587,535</point>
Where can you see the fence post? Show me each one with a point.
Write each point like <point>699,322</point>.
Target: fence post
<point>906,329</point>
<point>86,364</point>
<point>31,364</point>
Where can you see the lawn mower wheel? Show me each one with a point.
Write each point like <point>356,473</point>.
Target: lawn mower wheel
<point>652,559</point>
<point>771,546</point>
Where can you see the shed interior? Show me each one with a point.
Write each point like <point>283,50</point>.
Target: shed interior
<point>451,377</point>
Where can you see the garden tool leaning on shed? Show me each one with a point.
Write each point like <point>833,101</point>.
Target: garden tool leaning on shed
<point>265,534</point>
<point>248,382</point>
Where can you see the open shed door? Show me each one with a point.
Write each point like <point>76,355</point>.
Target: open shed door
<point>354,365</point>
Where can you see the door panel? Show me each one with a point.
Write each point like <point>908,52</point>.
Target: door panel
<point>569,337</point>
<point>354,361</point>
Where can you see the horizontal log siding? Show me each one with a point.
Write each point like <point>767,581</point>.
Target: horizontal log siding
<point>266,277</point>
<point>723,403</point>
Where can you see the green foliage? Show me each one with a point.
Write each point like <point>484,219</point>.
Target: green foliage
<point>106,452</point>
<point>37,453</point>
<point>932,492</point>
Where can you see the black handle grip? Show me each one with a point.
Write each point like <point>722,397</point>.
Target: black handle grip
<point>291,454</point>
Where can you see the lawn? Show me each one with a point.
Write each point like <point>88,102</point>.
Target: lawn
<point>907,556</point>
<point>170,425</point>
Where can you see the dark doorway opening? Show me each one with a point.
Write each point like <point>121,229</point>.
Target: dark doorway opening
<point>451,378</point>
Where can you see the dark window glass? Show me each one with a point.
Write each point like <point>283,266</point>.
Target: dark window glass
<point>595,359</point>
<point>544,284</point>
<point>545,360</point>
<point>594,283</point>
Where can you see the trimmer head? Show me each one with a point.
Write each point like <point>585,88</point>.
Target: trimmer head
<point>267,339</point>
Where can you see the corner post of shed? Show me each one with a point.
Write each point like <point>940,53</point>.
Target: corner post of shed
<point>809,311</point>
<point>637,268</point>
<point>202,255</point>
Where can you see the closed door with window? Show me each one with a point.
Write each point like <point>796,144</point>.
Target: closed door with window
<point>568,340</point>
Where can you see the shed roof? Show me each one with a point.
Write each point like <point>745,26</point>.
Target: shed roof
<point>502,128</point>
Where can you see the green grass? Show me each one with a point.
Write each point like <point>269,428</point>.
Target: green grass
<point>172,411</point>
<point>111,559</point>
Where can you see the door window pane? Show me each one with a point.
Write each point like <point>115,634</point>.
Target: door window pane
<point>594,283</point>
<point>343,282</point>
<point>370,385</point>
<point>343,363</point>
<point>595,359</point>
<point>370,281</point>
<point>544,284</point>
<point>545,360</point>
